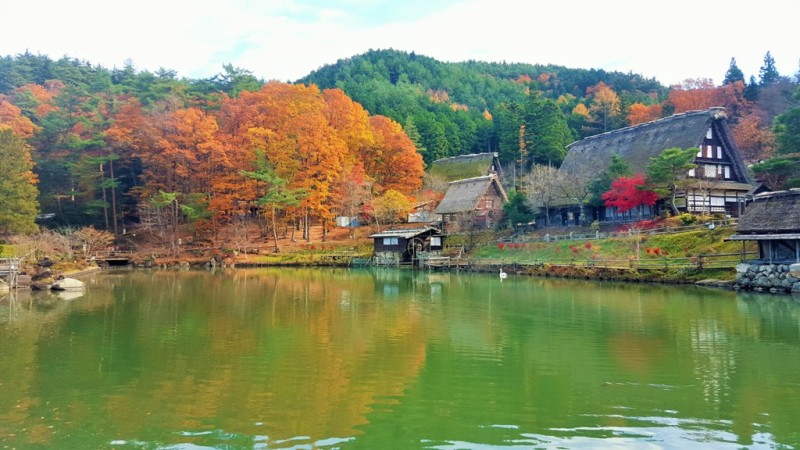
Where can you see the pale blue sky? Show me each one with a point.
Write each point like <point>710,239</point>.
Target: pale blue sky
<point>286,39</point>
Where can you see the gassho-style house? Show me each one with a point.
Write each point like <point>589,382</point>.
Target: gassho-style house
<point>722,181</point>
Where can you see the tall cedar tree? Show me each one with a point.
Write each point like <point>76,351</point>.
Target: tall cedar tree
<point>733,74</point>
<point>546,131</point>
<point>768,73</point>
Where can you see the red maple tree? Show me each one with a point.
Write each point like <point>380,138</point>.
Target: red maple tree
<point>628,193</point>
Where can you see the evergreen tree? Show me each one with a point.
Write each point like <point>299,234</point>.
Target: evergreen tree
<point>413,133</point>
<point>507,122</point>
<point>768,73</point>
<point>517,211</point>
<point>751,90</point>
<point>782,171</point>
<point>733,74</point>
<point>18,205</point>
<point>546,131</point>
<point>667,171</point>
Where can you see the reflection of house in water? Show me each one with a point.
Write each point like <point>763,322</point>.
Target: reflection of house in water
<point>405,246</point>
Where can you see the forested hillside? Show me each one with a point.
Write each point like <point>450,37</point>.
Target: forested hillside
<point>470,107</point>
<point>527,113</point>
<point>118,146</point>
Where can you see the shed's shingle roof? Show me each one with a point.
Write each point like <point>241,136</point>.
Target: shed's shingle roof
<point>772,212</point>
<point>463,195</point>
<point>637,144</point>
<point>404,233</point>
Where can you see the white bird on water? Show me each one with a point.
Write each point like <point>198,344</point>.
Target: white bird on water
<point>503,275</point>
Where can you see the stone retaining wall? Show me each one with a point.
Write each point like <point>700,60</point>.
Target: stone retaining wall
<point>775,278</point>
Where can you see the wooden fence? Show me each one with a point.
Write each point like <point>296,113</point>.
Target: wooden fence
<point>710,261</point>
<point>521,238</point>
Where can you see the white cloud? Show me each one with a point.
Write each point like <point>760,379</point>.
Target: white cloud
<point>285,40</point>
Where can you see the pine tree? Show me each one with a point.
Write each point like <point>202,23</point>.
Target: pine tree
<point>768,73</point>
<point>751,90</point>
<point>733,74</point>
<point>18,205</point>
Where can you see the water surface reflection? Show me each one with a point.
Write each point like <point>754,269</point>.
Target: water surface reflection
<point>306,358</point>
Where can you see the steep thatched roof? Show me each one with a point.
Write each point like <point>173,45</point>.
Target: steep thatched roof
<point>464,195</point>
<point>637,144</point>
<point>771,213</point>
<point>465,166</point>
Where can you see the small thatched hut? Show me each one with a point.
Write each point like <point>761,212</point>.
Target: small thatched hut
<point>477,200</point>
<point>773,220</point>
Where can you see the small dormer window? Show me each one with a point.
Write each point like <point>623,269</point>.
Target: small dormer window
<point>719,152</point>
<point>709,134</point>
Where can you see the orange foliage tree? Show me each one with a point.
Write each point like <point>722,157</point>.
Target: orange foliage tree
<point>11,116</point>
<point>605,104</point>
<point>693,94</point>
<point>641,113</point>
<point>393,162</point>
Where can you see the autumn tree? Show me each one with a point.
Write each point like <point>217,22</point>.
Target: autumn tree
<point>754,140</point>
<point>605,106</point>
<point>89,240</point>
<point>352,190</point>
<point>668,171</point>
<point>18,204</point>
<point>393,162</point>
<point>641,113</point>
<point>276,193</point>
<point>11,117</point>
<point>391,207</point>
<point>602,183</point>
<point>693,94</point>
<point>627,193</point>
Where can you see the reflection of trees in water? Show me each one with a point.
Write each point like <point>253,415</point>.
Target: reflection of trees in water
<point>285,353</point>
<point>714,360</point>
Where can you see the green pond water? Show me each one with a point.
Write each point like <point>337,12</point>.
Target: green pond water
<point>394,359</point>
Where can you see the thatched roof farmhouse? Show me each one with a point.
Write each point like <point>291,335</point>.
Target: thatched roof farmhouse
<point>721,171</point>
